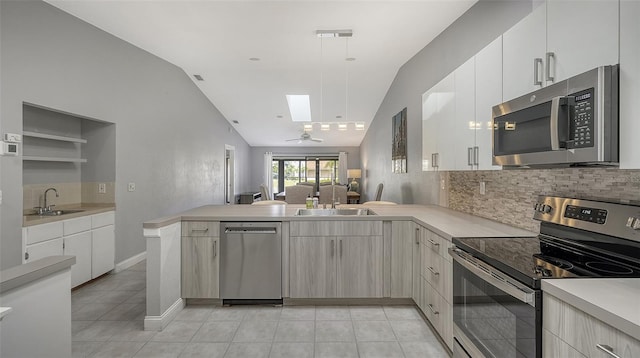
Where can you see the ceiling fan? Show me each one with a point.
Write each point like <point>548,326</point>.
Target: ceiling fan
<point>304,137</point>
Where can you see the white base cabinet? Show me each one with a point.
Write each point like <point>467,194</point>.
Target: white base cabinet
<point>91,239</point>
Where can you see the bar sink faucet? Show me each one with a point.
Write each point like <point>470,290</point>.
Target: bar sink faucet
<point>48,208</point>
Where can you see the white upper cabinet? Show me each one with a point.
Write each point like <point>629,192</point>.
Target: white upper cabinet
<point>559,39</point>
<point>464,133</point>
<point>524,47</point>
<point>438,112</point>
<point>629,84</point>
<point>488,94</point>
<point>582,35</point>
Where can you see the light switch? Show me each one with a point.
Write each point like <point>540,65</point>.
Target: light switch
<point>102,188</point>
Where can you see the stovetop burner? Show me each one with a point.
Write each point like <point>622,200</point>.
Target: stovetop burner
<point>608,268</point>
<point>563,264</point>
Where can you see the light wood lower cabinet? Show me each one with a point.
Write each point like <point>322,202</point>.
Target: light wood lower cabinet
<point>564,325</point>
<point>403,239</point>
<point>200,267</point>
<point>335,266</point>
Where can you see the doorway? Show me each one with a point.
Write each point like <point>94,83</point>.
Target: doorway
<point>229,174</point>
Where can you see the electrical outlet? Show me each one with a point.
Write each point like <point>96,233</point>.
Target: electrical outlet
<point>102,188</point>
<point>132,187</point>
<point>12,137</point>
<point>483,188</point>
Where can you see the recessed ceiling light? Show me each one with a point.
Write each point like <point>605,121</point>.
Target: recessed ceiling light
<point>235,121</point>
<point>342,126</point>
<point>299,107</point>
<point>325,126</point>
<point>278,116</point>
<point>254,58</point>
<point>198,77</point>
<point>334,33</point>
<point>350,59</point>
<point>338,116</point>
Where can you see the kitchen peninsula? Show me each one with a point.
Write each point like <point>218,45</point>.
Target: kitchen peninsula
<point>402,242</point>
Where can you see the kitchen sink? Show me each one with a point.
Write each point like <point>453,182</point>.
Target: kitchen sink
<point>333,212</point>
<point>56,212</point>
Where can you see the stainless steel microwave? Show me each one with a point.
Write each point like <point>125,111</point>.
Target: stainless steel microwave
<point>570,123</point>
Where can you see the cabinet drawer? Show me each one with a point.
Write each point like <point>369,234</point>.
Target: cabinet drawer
<point>439,312</point>
<point>44,232</point>
<point>201,228</point>
<point>336,228</point>
<point>583,331</point>
<point>103,219</point>
<point>74,226</point>
<point>438,272</point>
<point>44,249</point>
<point>438,244</point>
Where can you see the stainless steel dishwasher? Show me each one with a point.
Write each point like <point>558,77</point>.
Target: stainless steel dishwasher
<point>251,262</point>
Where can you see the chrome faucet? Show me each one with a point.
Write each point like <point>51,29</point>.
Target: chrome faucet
<point>48,208</point>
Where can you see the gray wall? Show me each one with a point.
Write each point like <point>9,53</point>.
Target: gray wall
<point>257,158</point>
<point>480,25</point>
<point>169,138</point>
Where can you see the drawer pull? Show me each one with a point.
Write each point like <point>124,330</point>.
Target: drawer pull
<point>607,349</point>
<point>433,271</point>
<point>417,236</point>
<point>215,252</point>
<point>433,243</point>
<point>433,310</point>
<point>200,230</point>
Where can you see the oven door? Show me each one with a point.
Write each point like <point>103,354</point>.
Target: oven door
<point>493,314</point>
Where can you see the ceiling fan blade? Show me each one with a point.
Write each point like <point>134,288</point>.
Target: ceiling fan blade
<point>319,140</point>
<point>291,140</point>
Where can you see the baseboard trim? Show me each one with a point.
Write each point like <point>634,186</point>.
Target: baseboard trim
<point>346,301</point>
<point>131,261</point>
<point>158,323</point>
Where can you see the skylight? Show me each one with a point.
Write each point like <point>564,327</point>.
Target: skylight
<point>299,107</point>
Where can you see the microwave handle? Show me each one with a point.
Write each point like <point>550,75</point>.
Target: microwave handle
<point>556,102</point>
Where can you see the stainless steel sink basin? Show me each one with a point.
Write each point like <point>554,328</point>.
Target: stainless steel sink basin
<point>56,212</point>
<point>333,212</point>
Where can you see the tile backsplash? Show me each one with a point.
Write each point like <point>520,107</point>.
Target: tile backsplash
<point>68,193</point>
<point>510,194</point>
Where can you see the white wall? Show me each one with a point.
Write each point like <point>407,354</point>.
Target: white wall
<point>169,138</point>
<point>480,25</point>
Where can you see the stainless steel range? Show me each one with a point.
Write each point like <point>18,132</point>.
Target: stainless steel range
<point>497,301</point>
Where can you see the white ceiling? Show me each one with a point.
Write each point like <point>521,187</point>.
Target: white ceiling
<point>215,39</point>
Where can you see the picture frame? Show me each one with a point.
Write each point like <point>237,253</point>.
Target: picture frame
<point>399,142</point>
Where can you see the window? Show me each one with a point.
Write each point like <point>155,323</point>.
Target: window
<point>288,172</point>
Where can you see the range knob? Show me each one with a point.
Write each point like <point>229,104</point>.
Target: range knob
<point>546,209</point>
<point>633,223</point>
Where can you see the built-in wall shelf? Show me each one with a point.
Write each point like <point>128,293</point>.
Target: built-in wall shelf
<point>53,137</point>
<point>54,159</point>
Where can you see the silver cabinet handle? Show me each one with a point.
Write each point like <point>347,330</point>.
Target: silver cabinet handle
<point>433,243</point>
<point>607,349</point>
<point>550,56</point>
<point>433,310</point>
<point>417,236</point>
<point>437,160</point>
<point>433,160</point>
<point>340,247</point>
<point>433,271</point>
<point>200,230</point>
<point>470,156</point>
<point>215,252</point>
<point>333,247</point>
<point>476,155</point>
<point>537,63</point>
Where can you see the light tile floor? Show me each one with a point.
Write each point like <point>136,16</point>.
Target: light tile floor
<point>108,322</point>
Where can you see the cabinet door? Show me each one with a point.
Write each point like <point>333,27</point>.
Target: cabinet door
<point>102,250</point>
<point>44,249</point>
<point>582,35</point>
<point>488,94</point>
<point>429,129</point>
<point>79,245</point>
<point>464,126</point>
<point>446,124</point>
<point>416,278</point>
<point>523,43</point>
<point>312,267</point>
<point>629,84</point>
<point>200,267</point>
<point>403,238</point>
<point>360,266</point>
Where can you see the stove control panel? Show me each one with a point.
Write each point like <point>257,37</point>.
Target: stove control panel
<point>598,216</point>
<point>633,223</point>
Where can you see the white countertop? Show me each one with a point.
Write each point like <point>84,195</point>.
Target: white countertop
<point>445,222</point>
<point>4,311</point>
<point>613,301</point>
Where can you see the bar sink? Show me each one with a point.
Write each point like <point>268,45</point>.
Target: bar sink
<point>56,212</point>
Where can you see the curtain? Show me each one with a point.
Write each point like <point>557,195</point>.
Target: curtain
<point>268,174</point>
<point>342,168</point>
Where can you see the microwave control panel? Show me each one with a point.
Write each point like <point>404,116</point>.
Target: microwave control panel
<point>581,128</point>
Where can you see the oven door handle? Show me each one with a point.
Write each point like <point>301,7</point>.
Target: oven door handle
<point>494,277</point>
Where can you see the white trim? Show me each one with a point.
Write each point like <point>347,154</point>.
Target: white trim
<point>158,323</point>
<point>131,261</point>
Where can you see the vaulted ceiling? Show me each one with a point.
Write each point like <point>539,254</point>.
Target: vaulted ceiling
<point>250,54</point>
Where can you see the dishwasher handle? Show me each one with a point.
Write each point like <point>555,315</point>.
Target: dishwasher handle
<point>248,230</point>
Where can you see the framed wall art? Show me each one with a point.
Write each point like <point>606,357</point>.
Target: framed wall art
<point>399,149</point>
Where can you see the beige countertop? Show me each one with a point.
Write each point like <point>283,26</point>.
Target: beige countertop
<point>445,222</point>
<point>613,301</point>
<point>88,209</point>
<point>21,275</point>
